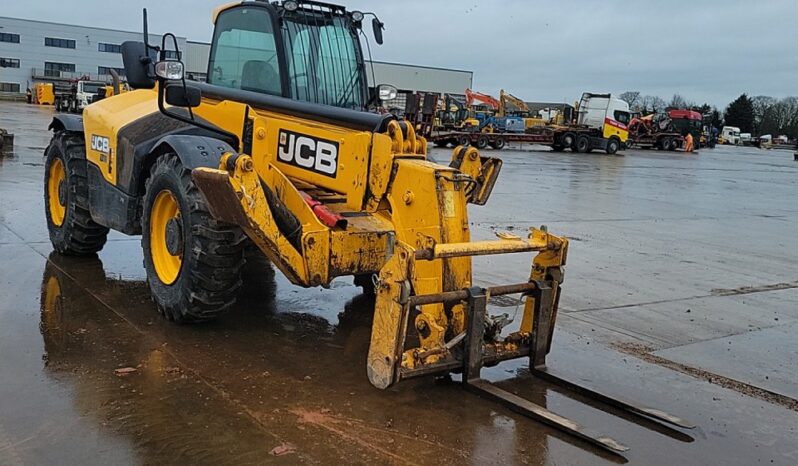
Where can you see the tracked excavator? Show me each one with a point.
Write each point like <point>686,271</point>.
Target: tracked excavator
<point>278,150</point>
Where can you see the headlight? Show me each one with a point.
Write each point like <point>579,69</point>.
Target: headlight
<point>290,5</point>
<point>387,92</point>
<point>357,16</point>
<point>169,69</point>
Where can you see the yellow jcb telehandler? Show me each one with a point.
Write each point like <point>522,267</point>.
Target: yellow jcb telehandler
<point>278,149</point>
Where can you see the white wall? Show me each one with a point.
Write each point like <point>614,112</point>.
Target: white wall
<point>420,78</point>
<point>32,53</point>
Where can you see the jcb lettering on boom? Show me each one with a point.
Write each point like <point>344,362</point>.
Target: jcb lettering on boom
<point>301,150</point>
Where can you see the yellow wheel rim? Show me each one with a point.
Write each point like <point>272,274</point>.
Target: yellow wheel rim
<point>167,265</point>
<point>52,294</point>
<point>55,179</point>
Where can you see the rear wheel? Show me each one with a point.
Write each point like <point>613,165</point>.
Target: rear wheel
<point>66,198</point>
<point>482,142</point>
<point>498,144</point>
<point>612,146</point>
<point>582,144</point>
<point>463,140</point>
<point>568,141</point>
<point>193,262</point>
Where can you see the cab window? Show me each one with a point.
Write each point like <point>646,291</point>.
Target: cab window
<point>244,53</point>
<point>323,65</point>
<point>622,117</point>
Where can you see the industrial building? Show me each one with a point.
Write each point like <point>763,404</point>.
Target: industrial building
<point>32,51</point>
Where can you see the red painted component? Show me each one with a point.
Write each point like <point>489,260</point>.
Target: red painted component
<point>327,216</point>
<point>490,101</point>
<point>684,114</point>
<point>614,123</point>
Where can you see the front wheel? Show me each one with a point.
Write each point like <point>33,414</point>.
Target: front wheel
<point>612,146</point>
<point>66,198</point>
<point>193,262</point>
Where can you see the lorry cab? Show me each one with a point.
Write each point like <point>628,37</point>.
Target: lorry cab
<point>730,135</point>
<point>605,113</point>
<point>86,92</point>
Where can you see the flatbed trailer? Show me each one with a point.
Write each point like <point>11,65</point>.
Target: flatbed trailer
<point>663,141</point>
<point>579,139</point>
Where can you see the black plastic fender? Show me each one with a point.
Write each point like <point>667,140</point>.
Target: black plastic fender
<point>194,151</point>
<point>67,122</point>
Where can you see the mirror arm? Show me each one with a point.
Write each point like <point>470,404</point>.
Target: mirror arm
<point>197,123</point>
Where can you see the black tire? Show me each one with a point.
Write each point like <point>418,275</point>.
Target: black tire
<point>482,142</point>
<point>665,144</point>
<point>582,144</point>
<point>612,146</point>
<point>674,144</point>
<point>499,143</point>
<point>212,253</point>
<point>568,140</point>
<point>557,148</point>
<point>463,140</point>
<point>77,233</point>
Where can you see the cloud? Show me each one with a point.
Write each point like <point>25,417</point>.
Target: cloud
<point>710,51</point>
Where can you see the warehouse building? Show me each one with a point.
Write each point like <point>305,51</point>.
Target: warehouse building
<point>33,51</point>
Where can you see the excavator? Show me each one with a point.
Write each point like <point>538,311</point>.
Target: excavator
<point>487,120</point>
<point>453,114</point>
<point>278,153</point>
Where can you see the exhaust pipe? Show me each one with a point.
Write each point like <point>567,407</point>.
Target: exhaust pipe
<point>115,77</point>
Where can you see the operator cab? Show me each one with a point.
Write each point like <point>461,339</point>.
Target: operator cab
<point>302,50</point>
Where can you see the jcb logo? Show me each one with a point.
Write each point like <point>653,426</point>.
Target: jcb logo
<point>100,144</point>
<point>318,155</point>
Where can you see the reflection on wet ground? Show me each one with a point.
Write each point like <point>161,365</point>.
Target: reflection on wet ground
<point>285,368</point>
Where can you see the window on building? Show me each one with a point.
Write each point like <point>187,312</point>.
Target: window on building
<point>172,55</point>
<point>106,70</point>
<point>53,69</point>
<point>8,37</point>
<point>195,76</point>
<point>110,48</point>
<point>9,63</point>
<point>9,87</point>
<point>62,43</point>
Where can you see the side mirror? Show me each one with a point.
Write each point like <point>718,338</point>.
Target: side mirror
<point>138,65</point>
<point>378,27</point>
<point>386,92</point>
<point>179,96</point>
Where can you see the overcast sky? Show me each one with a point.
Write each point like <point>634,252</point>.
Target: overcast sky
<point>708,50</point>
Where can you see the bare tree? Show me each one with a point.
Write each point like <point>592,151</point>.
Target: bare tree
<point>677,101</point>
<point>652,103</point>
<point>631,97</point>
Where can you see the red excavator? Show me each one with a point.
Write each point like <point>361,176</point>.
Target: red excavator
<point>472,96</point>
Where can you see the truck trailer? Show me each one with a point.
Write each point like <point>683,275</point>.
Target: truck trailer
<point>601,124</point>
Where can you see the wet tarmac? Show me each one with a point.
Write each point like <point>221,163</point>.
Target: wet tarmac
<point>673,257</point>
